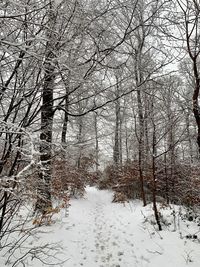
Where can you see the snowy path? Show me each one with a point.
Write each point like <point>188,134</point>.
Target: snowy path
<point>103,234</point>
<point>99,233</point>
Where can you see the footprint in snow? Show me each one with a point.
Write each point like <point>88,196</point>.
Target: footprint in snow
<point>144,259</point>
<point>102,247</point>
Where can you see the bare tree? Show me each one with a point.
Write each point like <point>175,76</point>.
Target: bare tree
<point>187,14</point>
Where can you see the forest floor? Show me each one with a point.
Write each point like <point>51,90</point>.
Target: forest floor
<point>99,233</point>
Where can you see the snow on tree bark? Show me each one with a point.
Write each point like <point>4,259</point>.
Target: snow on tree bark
<point>44,183</point>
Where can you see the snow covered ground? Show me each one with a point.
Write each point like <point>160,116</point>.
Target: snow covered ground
<point>100,233</point>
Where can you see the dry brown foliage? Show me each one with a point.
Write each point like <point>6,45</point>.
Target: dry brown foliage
<point>46,217</point>
<point>67,179</point>
<point>119,197</point>
<point>179,185</point>
<point>72,179</point>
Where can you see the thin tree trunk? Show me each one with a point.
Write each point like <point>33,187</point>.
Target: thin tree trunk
<point>65,121</point>
<point>172,158</point>
<point>154,190</point>
<point>189,136</point>
<point>141,146</point>
<point>116,150</point>
<point>139,79</point>
<point>80,137</point>
<point>126,141</point>
<point>66,116</point>
<point>96,142</point>
<point>120,141</point>
<point>194,52</point>
<point>166,179</point>
<point>195,100</point>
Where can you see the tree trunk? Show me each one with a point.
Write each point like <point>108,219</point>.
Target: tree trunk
<point>96,142</point>
<point>120,141</point>
<point>166,179</point>
<point>126,141</point>
<point>187,121</point>
<point>80,137</point>
<point>154,189</point>
<point>139,80</point>
<point>116,150</point>
<point>141,146</point>
<point>195,100</point>
<point>44,183</point>
<point>66,116</point>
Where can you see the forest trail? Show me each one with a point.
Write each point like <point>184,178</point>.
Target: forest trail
<point>104,240</point>
<point>99,233</point>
